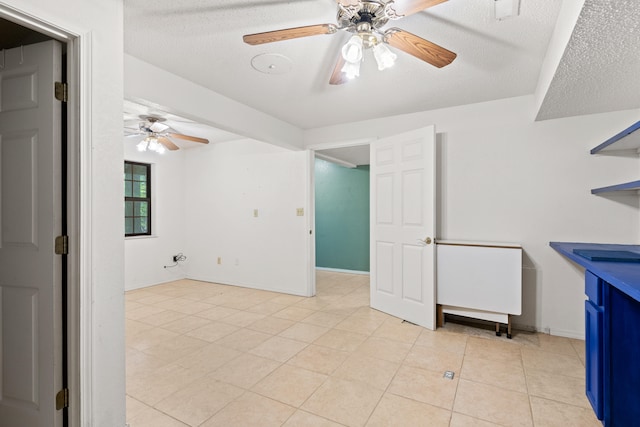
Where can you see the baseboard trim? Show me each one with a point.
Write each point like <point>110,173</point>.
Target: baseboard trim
<point>341,270</point>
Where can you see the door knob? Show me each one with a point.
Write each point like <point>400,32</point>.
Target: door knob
<point>427,240</point>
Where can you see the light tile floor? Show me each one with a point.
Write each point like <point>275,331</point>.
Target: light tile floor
<point>204,354</point>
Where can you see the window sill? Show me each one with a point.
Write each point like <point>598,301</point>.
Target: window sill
<point>152,236</point>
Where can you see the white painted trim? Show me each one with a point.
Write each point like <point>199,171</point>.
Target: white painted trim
<point>151,236</point>
<point>33,23</point>
<point>74,220</point>
<point>311,226</point>
<point>340,270</point>
<point>567,334</point>
<point>342,144</point>
<point>246,285</point>
<point>336,161</point>
<point>85,230</point>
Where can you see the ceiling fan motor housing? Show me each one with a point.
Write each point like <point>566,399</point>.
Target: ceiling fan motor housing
<point>373,12</point>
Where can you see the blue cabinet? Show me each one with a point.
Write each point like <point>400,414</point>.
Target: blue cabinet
<point>621,354</point>
<point>593,316</point>
<point>612,333</point>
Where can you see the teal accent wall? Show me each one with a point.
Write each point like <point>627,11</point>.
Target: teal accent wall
<point>342,216</point>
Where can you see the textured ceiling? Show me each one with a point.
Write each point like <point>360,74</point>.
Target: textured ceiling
<point>202,42</point>
<point>601,63</point>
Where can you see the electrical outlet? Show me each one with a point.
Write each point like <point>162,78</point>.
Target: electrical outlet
<point>300,211</point>
<point>255,213</point>
<point>219,260</point>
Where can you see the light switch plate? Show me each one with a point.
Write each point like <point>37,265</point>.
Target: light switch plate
<point>300,211</point>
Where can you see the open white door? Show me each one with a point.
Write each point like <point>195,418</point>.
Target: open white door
<point>30,215</point>
<point>403,222</point>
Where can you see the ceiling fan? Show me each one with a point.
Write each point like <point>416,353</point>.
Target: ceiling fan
<point>365,18</point>
<point>158,135</point>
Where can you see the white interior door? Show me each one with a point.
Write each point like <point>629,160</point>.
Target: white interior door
<point>403,222</point>
<point>30,217</point>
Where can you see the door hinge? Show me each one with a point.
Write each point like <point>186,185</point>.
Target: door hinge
<point>62,245</point>
<point>62,91</point>
<point>62,399</point>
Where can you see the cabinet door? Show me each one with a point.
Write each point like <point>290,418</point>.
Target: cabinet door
<point>594,367</point>
<point>621,336</point>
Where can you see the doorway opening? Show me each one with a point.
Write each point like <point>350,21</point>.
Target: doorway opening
<point>340,208</point>
<point>402,220</point>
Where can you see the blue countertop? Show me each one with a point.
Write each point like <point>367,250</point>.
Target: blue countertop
<point>622,275</point>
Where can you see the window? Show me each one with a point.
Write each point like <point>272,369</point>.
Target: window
<point>137,199</point>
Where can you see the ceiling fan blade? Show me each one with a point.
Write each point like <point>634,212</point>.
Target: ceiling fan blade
<point>409,7</point>
<point>133,135</point>
<point>419,47</point>
<point>338,77</point>
<point>167,143</point>
<point>289,33</point>
<point>188,138</point>
<point>158,127</point>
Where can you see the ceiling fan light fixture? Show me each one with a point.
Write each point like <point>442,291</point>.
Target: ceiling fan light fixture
<point>151,143</point>
<point>352,51</point>
<point>351,69</point>
<point>384,57</point>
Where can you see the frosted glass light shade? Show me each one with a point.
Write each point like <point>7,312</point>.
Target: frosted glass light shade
<point>150,143</point>
<point>351,69</point>
<point>384,57</point>
<point>352,51</point>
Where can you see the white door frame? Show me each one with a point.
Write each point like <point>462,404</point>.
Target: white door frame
<point>79,305</point>
<point>311,202</point>
<point>311,226</point>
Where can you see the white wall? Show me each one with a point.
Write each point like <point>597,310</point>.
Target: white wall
<point>507,178</point>
<point>224,183</point>
<point>145,257</point>
<point>100,25</point>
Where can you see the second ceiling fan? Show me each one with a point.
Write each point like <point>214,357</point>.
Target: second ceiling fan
<point>364,18</point>
<point>157,135</point>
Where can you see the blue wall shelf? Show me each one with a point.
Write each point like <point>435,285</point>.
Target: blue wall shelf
<point>627,186</point>
<point>627,141</point>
